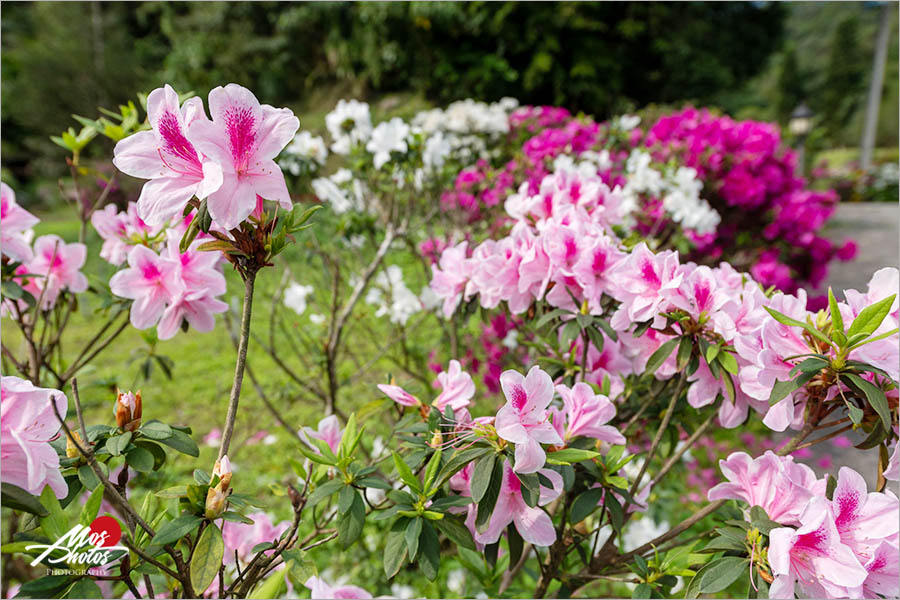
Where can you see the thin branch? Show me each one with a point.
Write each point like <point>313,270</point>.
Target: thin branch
<point>241,362</point>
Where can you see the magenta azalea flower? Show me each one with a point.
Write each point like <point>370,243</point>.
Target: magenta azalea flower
<point>15,221</point>
<point>533,524</point>
<point>244,138</point>
<point>319,588</point>
<point>524,420</point>
<point>883,572</point>
<point>457,388</point>
<point>776,484</point>
<point>813,557</point>
<point>27,424</point>
<point>587,413</point>
<point>863,519</point>
<point>167,157</point>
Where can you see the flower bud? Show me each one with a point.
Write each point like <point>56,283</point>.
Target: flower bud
<point>218,494</point>
<point>71,447</point>
<point>128,411</point>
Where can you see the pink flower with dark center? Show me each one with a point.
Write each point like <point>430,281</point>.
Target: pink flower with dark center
<point>524,420</point>
<point>883,572</point>
<point>532,523</point>
<point>776,484</point>
<point>15,225</point>
<point>27,424</point>
<point>165,156</point>
<point>197,308</point>
<point>55,267</point>
<point>863,519</point>
<point>813,557</point>
<point>244,138</point>
<point>151,281</point>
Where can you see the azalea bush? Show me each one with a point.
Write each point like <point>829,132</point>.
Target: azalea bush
<point>548,357</point>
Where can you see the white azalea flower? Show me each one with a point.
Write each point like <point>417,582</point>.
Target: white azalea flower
<point>349,124</point>
<point>295,296</point>
<point>388,136</point>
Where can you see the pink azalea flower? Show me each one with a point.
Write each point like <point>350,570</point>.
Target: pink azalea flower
<point>641,280</point>
<point>457,388</point>
<point>196,270</point>
<point>168,158</point>
<point>524,420</point>
<point>700,295</point>
<point>121,231</point>
<point>319,588</point>
<point>242,537</point>
<point>776,484</point>
<point>27,424</point>
<point>813,557</point>
<point>883,572</point>
<point>450,276</point>
<point>151,281</point>
<point>892,471</point>
<point>587,413</point>
<point>15,225</point>
<point>533,524</point>
<point>399,395</point>
<point>197,308</point>
<point>863,519</point>
<point>244,137</point>
<point>56,267</point>
<point>329,431</point>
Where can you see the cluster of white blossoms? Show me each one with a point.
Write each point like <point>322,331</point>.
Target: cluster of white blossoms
<point>392,297</point>
<point>464,130</point>
<point>341,190</point>
<point>679,189</point>
<point>306,154</point>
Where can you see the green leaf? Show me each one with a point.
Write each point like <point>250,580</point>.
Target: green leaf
<point>177,528</point>
<point>430,561</point>
<point>325,490</point>
<point>406,473</point>
<point>431,470</point>
<point>350,523</point>
<point>91,508</point>
<point>395,548</point>
<point>177,491</point>
<point>12,496</point>
<point>140,459</point>
<point>55,524</point>
<point>547,317</point>
<point>156,430</point>
<point>642,590</point>
<point>274,586</point>
<point>570,455</point>
<point>481,476</point>
<point>722,573</point>
<point>685,346</point>
<point>728,362</point>
<point>711,352</point>
<point>786,320</point>
<point>348,436</point>
<point>874,395</point>
<point>87,477</point>
<point>659,357</point>
<point>870,318</point>
<point>84,588</point>
<point>837,321</point>
<point>570,331</point>
<point>117,443</point>
<point>182,442</point>
<point>781,389</point>
<point>207,557</point>
<point>486,505</point>
<point>413,531</point>
<point>456,531</point>
<point>458,460</point>
<point>585,503</point>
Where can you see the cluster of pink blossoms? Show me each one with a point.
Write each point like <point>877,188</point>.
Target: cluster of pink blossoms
<point>46,268</point>
<point>748,176</point>
<point>168,286</point>
<point>529,421</point>
<point>228,161</point>
<point>562,248</point>
<point>843,547</point>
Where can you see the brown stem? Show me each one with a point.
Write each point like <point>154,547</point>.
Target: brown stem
<point>235,396</point>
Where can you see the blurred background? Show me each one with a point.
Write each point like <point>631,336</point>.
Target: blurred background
<point>759,60</point>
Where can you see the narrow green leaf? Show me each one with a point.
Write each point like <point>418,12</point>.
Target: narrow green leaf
<point>395,548</point>
<point>176,529</point>
<point>870,318</point>
<point>406,473</point>
<point>413,531</point>
<point>874,395</point>
<point>207,557</point>
<point>659,357</point>
<point>837,321</point>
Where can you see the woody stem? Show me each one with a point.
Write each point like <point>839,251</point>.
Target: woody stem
<point>239,365</point>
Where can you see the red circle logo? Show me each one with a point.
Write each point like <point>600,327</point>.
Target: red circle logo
<point>109,526</point>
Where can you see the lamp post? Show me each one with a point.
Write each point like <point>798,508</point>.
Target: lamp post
<point>800,125</point>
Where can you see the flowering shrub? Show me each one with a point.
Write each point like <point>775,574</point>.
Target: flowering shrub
<point>581,255</point>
